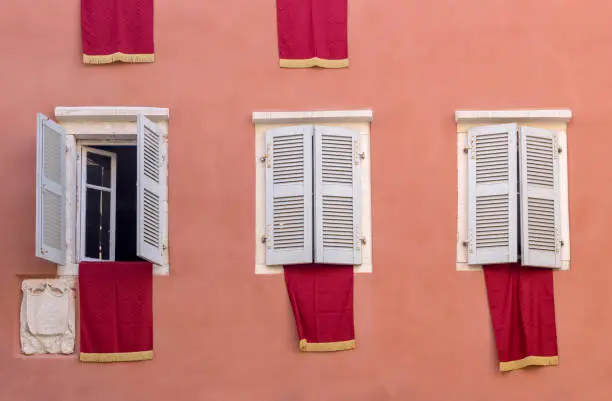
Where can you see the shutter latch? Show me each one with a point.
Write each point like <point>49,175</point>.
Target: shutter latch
<point>363,240</point>
<point>264,239</point>
<point>362,155</point>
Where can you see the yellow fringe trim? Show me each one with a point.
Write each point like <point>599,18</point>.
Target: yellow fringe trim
<point>313,62</point>
<point>117,357</point>
<point>529,361</point>
<point>111,58</point>
<point>305,346</point>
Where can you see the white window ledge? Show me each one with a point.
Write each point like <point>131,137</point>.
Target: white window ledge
<point>312,117</point>
<point>474,116</point>
<point>112,114</point>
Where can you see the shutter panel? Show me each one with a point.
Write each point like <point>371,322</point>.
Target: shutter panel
<point>289,195</point>
<point>50,191</point>
<point>337,196</point>
<point>492,194</point>
<point>151,191</point>
<point>540,198</point>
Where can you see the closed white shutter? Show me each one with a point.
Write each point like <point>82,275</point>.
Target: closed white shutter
<point>540,209</point>
<point>337,196</point>
<point>289,195</point>
<point>151,191</point>
<point>492,194</point>
<point>50,191</point>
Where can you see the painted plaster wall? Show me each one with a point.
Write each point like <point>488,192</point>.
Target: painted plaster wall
<point>222,333</point>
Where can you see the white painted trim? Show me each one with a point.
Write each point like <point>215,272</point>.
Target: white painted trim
<point>82,200</point>
<point>495,116</point>
<point>312,117</point>
<point>110,114</point>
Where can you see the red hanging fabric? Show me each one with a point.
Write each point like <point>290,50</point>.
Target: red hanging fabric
<point>116,311</point>
<point>322,301</point>
<point>118,30</point>
<point>312,33</point>
<point>522,306</point>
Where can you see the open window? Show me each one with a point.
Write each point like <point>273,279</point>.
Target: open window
<point>118,212</point>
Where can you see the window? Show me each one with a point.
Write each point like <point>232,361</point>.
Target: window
<point>513,196</point>
<point>312,190</point>
<point>98,197</point>
<point>118,167</point>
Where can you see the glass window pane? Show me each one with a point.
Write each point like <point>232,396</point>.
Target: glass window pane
<point>97,224</point>
<point>98,170</point>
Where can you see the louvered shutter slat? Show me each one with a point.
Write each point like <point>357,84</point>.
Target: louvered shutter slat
<point>289,195</point>
<point>337,196</point>
<point>50,191</point>
<point>540,198</point>
<point>492,194</point>
<point>151,191</point>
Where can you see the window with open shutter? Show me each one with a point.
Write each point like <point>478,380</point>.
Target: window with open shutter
<point>151,191</point>
<point>492,194</point>
<point>540,211</point>
<point>337,196</point>
<point>289,195</point>
<point>50,191</point>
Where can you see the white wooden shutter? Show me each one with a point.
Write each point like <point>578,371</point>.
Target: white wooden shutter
<point>492,194</point>
<point>289,195</point>
<point>50,191</point>
<point>540,198</point>
<point>151,191</point>
<point>337,196</point>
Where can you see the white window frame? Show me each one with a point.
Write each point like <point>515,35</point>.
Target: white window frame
<point>357,120</point>
<point>102,126</point>
<point>554,120</point>
<point>82,200</point>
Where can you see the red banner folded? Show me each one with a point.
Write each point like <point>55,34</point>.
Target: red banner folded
<point>312,33</point>
<point>118,30</point>
<point>322,301</point>
<point>522,306</point>
<point>116,311</point>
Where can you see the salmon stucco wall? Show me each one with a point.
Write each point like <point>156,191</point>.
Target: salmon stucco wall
<point>423,329</point>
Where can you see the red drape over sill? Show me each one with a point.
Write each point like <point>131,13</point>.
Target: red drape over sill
<point>522,306</point>
<point>116,311</point>
<point>117,30</point>
<point>322,301</point>
<point>312,33</point>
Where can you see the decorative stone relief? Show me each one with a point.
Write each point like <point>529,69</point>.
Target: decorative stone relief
<point>47,317</point>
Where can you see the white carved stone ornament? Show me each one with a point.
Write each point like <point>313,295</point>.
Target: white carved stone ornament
<point>47,317</point>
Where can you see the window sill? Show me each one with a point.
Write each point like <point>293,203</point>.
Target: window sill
<point>72,270</point>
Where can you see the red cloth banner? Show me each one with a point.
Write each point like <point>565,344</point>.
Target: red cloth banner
<point>322,301</point>
<point>117,30</point>
<point>522,306</point>
<point>116,311</point>
<point>312,33</point>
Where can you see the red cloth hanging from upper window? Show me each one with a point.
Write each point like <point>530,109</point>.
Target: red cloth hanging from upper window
<point>522,306</point>
<point>322,301</point>
<point>116,311</point>
<point>118,30</point>
<point>312,33</point>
